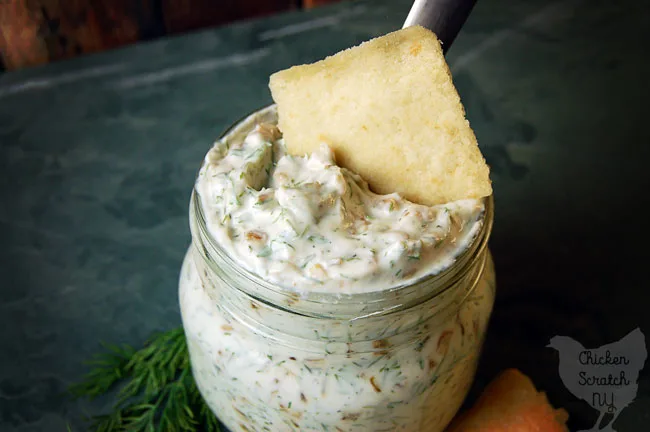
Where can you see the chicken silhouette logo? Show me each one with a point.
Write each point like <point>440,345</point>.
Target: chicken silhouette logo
<point>605,377</point>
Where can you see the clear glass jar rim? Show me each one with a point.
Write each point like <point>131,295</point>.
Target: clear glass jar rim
<point>375,302</point>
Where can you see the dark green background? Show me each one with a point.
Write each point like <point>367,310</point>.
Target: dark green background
<point>98,156</point>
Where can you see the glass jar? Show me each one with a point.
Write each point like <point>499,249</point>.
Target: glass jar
<point>269,359</point>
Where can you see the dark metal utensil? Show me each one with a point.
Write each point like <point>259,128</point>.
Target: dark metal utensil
<point>443,17</point>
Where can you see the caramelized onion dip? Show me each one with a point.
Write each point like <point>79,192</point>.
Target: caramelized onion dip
<point>311,228</point>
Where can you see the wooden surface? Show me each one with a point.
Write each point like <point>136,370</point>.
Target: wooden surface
<point>185,15</point>
<point>314,3</point>
<point>20,39</point>
<point>39,31</point>
<point>34,32</point>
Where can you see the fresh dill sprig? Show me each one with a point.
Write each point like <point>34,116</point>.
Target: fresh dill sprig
<point>158,392</point>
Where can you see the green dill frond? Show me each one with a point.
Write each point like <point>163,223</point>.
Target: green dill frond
<point>157,393</point>
<point>107,369</point>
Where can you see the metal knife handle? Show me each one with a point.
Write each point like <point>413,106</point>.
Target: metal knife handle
<point>443,17</point>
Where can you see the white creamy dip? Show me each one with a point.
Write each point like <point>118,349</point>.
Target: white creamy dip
<point>309,226</point>
<point>255,380</point>
<point>305,223</point>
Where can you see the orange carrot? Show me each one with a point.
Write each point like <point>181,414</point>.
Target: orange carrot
<point>511,403</point>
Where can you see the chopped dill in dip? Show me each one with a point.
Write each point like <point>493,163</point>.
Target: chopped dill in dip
<point>281,364</point>
<point>308,225</point>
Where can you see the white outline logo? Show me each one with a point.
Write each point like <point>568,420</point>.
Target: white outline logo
<point>606,377</point>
